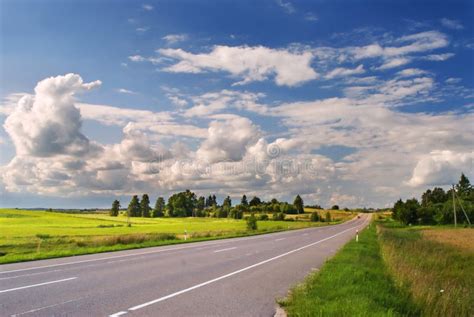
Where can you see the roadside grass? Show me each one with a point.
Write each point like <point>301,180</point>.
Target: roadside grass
<point>31,235</point>
<point>355,282</point>
<point>435,264</point>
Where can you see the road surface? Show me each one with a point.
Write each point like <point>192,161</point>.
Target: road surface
<point>232,277</point>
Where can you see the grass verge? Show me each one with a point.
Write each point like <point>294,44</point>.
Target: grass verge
<point>355,282</point>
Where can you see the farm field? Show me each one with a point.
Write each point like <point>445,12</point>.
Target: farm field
<point>30,235</point>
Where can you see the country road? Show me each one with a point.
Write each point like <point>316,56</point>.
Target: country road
<point>232,277</point>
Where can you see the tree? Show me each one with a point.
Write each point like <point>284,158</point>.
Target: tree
<point>335,207</point>
<point>252,222</point>
<point>407,212</point>
<point>145,206</point>
<point>255,201</point>
<point>435,196</point>
<point>209,201</point>
<point>133,209</point>
<point>159,210</point>
<point>201,203</point>
<point>299,204</point>
<point>115,208</point>
<point>463,188</point>
<point>214,200</point>
<point>182,204</point>
<point>227,202</point>
<point>244,201</point>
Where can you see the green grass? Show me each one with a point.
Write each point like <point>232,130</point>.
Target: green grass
<point>439,275</point>
<point>355,282</point>
<point>30,235</point>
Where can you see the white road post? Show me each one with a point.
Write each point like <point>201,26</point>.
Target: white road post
<point>185,234</point>
<point>357,235</point>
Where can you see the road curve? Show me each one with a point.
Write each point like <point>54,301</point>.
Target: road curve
<point>232,277</point>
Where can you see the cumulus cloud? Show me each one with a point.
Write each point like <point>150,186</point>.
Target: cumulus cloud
<point>258,63</point>
<point>442,167</point>
<point>48,122</point>
<point>228,140</point>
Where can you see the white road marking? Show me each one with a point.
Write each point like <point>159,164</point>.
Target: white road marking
<point>35,285</point>
<point>305,234</point>
<point>120,313</point>
<point>46,307</point>
<point>235,272</point>
<point>30,274</point>
<point>280,239</point>
<point>227,249</point>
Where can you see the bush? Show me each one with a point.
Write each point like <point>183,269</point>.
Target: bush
<point>315,216</point>
<point>252,222</point>
<point>328,216</point>
<point>278,216</point>
<point>263,217</point>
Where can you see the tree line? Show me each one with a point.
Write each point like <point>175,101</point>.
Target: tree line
<point>436,205</point>
<point>188,204</point>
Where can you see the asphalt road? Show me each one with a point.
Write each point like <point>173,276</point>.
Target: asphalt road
<point>233,277</point>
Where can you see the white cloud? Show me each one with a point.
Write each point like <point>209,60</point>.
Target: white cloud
<point>442,167</point>
<point>410,72</point>
<point>126,91</point>
<point>451,24</point>
<point>394,62</point>
<point>343,72</point>
<point>311,17</point>
<point>210,103</point>
<point>147,7</point>
<point>177,101</point>
<point>453,80</point>
<point>175,38</point>
<point>257,63</point>
<point>439,57</point>
<point>228,140</point>
<point>139,58</point>
<point>48,122</point>
<point>287,6</point>
<point>142,29</point>
<point>414,43</point>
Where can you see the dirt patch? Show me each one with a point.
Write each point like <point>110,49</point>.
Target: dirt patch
<point>458,238</point>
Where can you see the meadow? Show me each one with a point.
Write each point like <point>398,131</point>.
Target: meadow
<point>33,234</point>
<point>394,270</point>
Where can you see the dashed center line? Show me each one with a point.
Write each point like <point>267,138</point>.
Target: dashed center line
<point>36,285</point>
<point>227,249</point>
<point>280,239</point>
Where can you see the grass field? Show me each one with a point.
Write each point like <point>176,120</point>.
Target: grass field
<point>435,264</point>
<point>30,235</point>
<point>355,282</point>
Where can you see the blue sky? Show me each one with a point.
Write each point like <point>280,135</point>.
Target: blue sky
<point>376,97</point>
